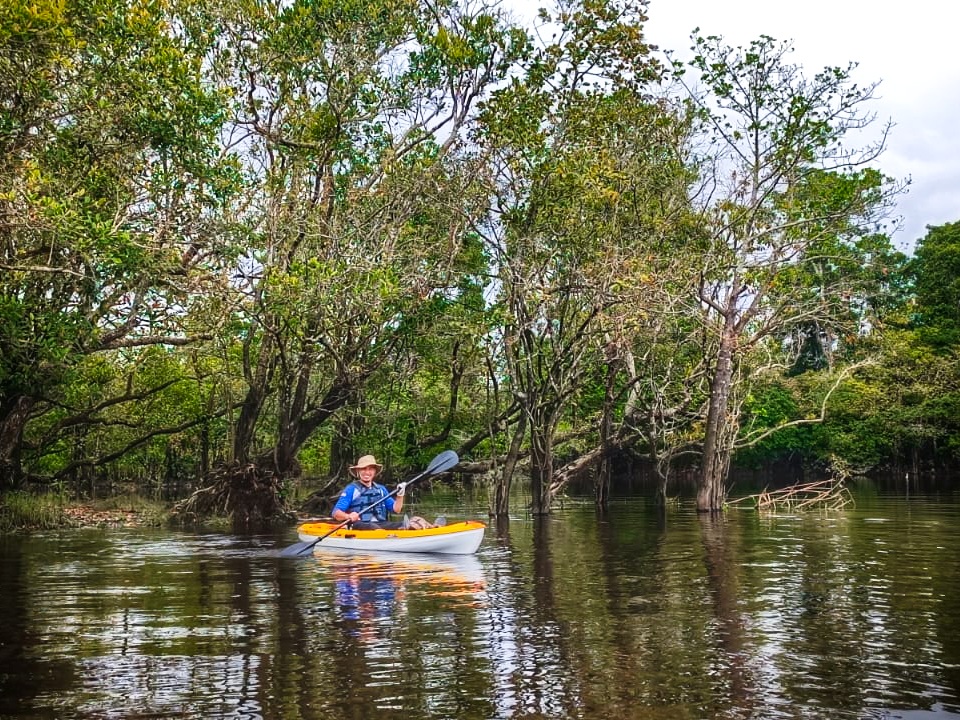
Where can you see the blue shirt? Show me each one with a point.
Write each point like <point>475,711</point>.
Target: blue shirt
<point>356,497</point>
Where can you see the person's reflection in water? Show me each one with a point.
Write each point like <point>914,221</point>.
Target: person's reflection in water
<point>374,628</point>
<point>368,615</point>
<point>369,598</point>
<point>370,591</point>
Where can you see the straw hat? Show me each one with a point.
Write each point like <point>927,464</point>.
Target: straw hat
<point>365,461</point>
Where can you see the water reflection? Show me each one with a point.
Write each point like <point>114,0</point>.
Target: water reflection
<point>735,672</point>
<point>370,588</point>
<point>395,632</point>
<point>126,624</point>
<point>630,614</point>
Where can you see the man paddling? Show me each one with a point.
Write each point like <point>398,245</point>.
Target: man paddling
<point>363,492</point>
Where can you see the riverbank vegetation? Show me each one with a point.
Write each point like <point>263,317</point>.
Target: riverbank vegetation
<point>25,510</point>
<point>242,243</point>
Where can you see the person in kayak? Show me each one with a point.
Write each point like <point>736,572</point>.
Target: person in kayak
<point>363,492</point>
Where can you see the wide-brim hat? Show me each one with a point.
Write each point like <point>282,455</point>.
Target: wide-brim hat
<point>365,461</point>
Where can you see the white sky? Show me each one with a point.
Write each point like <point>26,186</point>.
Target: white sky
<point>907,47</point>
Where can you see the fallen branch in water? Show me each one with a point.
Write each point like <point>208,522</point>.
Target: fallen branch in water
<point>830,494</point>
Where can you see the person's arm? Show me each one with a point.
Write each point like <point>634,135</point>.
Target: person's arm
<point>396,502</point>
<point>340,513</point>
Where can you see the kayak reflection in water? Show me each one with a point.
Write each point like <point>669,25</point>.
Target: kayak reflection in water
<point>366,504</point>
<point>371,589</point>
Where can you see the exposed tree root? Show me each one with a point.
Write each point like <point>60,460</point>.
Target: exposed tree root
<point>321,502</point>
<point>249,495</point>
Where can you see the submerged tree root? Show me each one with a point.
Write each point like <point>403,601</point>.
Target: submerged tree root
<point>830,494</point>
<point>248,495</point>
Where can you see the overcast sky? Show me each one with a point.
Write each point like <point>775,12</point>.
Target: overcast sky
<point>907,47</point>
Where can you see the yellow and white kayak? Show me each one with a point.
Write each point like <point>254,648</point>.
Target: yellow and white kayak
<point>459,538</point>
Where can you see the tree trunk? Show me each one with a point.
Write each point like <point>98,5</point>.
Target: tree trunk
<point>13,419</point>
<point>245,430</point>
<point>343,453</point>
<point>602,481</point>
<point>284,457</point>
<point>204,467</point>
<point>712,493</point>
<point>660,497</point>
<point>541,466</point>
<point>601,487</point>
<point>296,425</point>
<point>258,379</point>
<point>501,492</point>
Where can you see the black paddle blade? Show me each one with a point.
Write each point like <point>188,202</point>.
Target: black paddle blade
<point>297,548</point>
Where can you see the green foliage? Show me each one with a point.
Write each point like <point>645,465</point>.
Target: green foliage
<point>109,164</point>
<point>237,229</point>
<point>769,407</point>
<point>125,406</point>
<point>904,406</point>
<point>935,271</point>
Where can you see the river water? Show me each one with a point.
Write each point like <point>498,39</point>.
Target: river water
<point>629,615</point>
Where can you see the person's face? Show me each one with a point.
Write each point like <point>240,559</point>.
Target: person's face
<point>366,474</point>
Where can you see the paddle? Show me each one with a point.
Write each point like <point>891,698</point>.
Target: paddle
<point>441,463</point>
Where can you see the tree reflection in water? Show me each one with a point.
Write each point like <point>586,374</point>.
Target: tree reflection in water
<point>632,614</point>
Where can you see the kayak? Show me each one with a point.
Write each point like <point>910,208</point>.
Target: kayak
<point>459,538</point>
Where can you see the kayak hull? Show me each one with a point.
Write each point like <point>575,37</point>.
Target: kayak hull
<point>459,538</point>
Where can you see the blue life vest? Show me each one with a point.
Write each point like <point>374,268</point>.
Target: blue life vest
<point>364,497</point>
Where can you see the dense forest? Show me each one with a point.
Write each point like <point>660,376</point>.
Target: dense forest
<point>244,241</point>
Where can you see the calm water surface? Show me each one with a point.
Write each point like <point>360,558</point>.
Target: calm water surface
<point>851,614</point>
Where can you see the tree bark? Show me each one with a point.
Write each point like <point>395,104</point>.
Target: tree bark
<point>501,493</point>
<point>541,462</point>
<point>602,482</point>
<point>712,492</point>
<point>13,419</point>
<point>258,387</point>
